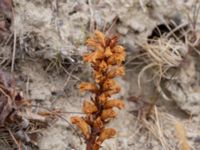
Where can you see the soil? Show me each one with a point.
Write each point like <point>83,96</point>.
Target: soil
<point>48,69</point>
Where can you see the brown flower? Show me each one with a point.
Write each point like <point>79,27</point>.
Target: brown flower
<point>114,103</point>
<point>89,107</point>
<point>100,38</point>
<point>109,84</point>
<point>87,86</point>
<point>106,61</point>
<point>98,76</point>
<point>98,123</point>
<point>94,56</point>
<point>108,52</point>
<point>116,59</point>
<point>103,98</point>
<point>84,127</point>
<point>103,66</point>
<point>119,71</point>
<point>118,49</point>
<point>113,90</point>
<point>105,134</point>
<point>108,114</point>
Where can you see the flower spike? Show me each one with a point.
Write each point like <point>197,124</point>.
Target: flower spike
<point>106,59</point>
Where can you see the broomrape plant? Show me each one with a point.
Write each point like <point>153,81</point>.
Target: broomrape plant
<point>106,60</point>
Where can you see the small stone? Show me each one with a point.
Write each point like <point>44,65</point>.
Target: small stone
<point>122,30</point>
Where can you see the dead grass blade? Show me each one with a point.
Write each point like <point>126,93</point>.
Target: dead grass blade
<point>156,129</point>
<point>181,135</point>
<point>160,56</point>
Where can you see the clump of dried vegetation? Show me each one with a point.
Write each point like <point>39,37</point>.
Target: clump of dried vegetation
<point>164,55</point>
<point>20,124</point>
<point>106,61</point>
<point>162,58</point>
<point>6,22</point>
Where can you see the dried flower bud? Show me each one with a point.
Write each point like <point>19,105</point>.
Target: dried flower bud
<point>116,72</point>
<point>108,114</point>
<point>103,66</point>
<point>87,86</point>
<point>84,127</point>
<point>115,89</point>
<point>105,134</point>
<point>118,49</point>
<point>98,77</point>
<point>98,124</point>
<point>106,60</point>
<point>94,56</point>
<point>114,103</point>
<point>116,59</point>
<point>101,38</point>
<point>102,98</point>
<point>108,84</point>
<point>93,43</point>
<point>89,107</point>
<point>95,146</point>
<point>108,52</point>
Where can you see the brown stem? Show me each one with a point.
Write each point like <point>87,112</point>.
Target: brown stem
<point>91,141</point>
<point>94,133</point>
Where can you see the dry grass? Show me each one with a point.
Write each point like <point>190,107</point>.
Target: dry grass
<point>156,129</point>
<point>163,57</point>
<point>193,34</point>
<point>159,57</point>
<point>181,135</point>
<point>162,126</point>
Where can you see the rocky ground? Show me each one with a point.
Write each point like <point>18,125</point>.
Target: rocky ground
<point>49,39</point>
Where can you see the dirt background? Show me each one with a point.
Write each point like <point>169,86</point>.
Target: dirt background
<point>48,67</point>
